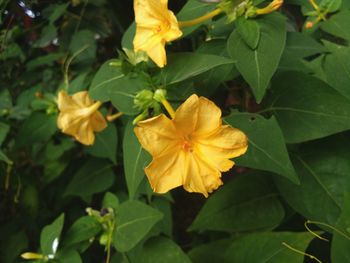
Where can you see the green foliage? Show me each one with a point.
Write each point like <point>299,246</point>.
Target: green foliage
<point>284,85</point>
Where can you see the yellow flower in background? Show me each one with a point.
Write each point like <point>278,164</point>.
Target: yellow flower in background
<point>79,116</point>
<point>192,149</point>
<point>155,25</point>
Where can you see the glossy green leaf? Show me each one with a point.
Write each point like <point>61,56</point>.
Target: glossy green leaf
<point>50,236</point>
<point>182,66</point>
<point>38,127</point>
<point>135,219</point>
<point>135,160</point>
<point>249,30</point>
<point>267,150</point>
<point>337,68</point>
<point>69,256</point>
<point>105,145</point>
<point>338,24</point>
<point>269,247</point>
<point>210,252</point>
<point>95,175</point>
<point>257,66</point>
<point>323,170</point>
<point>82,229</point>
<point>298,103</point>
<point>161,249</point>
<point>84,43</point>
<point>246,203</point>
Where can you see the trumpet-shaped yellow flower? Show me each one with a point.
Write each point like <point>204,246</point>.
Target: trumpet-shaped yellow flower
<point>192,149</point>
<point>79,116</point>
<point>155,25</point>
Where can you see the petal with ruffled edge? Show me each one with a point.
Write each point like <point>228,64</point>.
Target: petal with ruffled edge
<point>166,172</point>
<point>82,99</point>
<point>85,133</point>
<point>200,177</point>
<point>227,142</point>
<point>157,135</point>
<point>65,102</point>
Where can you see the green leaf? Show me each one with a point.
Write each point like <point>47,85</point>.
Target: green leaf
<point>246,203</point>
<point>269,247</point>
<point>134,220</point>
<point>82,229</point>
<point>44,60</point>
<point>69,256</point>
<point>105,145</point>
<point>337,68</point>
<point>191,10</point>
<point>110,200</point>
<point>81,39</point>
<point>4,129</point>
<point>50,236</point>
<point>323,170</point>
<point>307,108</point>
<point>105,79</point>
<point>48,34</point>
<point>3,157</point>
<point>95,175</point>
<point>341,239</point>
<point>267,150</point>
<point>135,160</point>
<point>257,66</point>
<point>182,66</point>
<point>210,252</point>
<point>249,30</point>
<point>303,45</point>
<point>128,37</point>
<point>338,25</point>
<point>161,249</point>
<point>38,127</point>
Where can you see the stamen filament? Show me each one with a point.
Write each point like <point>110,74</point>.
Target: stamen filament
<point>200,19</point>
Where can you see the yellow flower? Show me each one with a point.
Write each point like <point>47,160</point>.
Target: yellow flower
<point>79,116</point>
<point>192,149</point>
<point>155,25</point>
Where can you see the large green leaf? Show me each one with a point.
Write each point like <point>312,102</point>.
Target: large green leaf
<point>306,108</point>
<point>323,170</point>
<point>337,68</point>
<point>95,175</point>
<point>258,65</point>
<point>338,24</point>
<point>80,40</point>
<point>182,66</point>
<point>274,247</point>
<point>105,79</point>
<point>135,160</point>
<point>82,229</point>
<point>246,203</point>
<point>134,220</point>
<point>105,145</point>
<point>38,127</point>
<point>161,249</point>
<point>50,236</point>
<point>341,238</point>
<point>210,252</point>
<point>267,150</point>
<point>191,10</point>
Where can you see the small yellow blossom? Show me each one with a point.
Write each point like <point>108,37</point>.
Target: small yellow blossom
<point>192,149</point>
<point>155,25</point>
<point>79,116</point>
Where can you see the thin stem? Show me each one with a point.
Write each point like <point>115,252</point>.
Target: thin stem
<point>169,108</point>
<point>273,6</point>
<point>113,117</point>
<point>301,252</point>
<point>331,227</point>
<point>314,5</point>
<point>200,19</point>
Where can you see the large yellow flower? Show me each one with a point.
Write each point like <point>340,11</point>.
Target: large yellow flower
<point>192,149</point>
<point>79,116</point>
<point>155,25</point>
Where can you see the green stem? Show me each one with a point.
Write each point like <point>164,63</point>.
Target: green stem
<point>200,19</point>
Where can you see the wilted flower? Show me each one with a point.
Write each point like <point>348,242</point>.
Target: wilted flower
<point>79,116</point>
<point>192,149</point>
<point>155,25</point>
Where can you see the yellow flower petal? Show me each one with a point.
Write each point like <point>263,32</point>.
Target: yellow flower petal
<point>190,150</point>
<point>157,135</point>
<point>155,25</point>
<point>79,116</point>
<point>166,172</point>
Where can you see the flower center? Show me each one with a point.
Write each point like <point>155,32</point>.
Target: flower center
<point>158,29</point>
<point>187,146</point>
